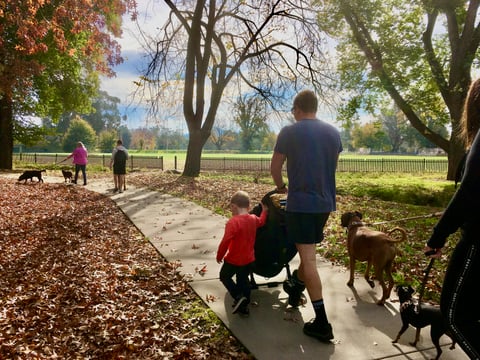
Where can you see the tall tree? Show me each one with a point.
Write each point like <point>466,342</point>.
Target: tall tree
<point>419,52</point>
<point>250,116</point>
<point>394,126</point>
<point>105,114</point>
<point>79,130</point>
<point>51,55</point>
<point>271,46</point>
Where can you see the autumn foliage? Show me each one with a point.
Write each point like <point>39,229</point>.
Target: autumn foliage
<point>79,281</point>
<point>51,55</point>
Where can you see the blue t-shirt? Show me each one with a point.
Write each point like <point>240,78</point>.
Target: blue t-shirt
<point>311,147</point>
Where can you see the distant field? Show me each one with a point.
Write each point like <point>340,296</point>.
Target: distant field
<point>169,157</point>
<point>181,155</point>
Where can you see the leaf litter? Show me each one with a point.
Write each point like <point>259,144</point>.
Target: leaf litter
<point>79,281</point>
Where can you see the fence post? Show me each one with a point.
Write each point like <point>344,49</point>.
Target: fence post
<point>174,162</point>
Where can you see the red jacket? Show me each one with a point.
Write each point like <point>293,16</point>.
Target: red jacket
<point>239,239</point>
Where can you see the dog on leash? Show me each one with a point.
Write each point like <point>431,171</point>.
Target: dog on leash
<point>420,316</point>
<point>376,247</point>
<point>30,174</point>
<point>67,175</point>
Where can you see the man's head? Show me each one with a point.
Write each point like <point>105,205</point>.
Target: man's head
<point>306,102</point>
<point>119,142</point>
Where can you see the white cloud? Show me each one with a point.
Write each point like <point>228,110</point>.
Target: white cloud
<point>151,17</point>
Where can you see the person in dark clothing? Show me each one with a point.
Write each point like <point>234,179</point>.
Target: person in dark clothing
<point>119,163</point>
<point>458,301</point>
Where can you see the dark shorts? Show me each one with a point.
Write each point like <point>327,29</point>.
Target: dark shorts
<point>119,169</point>
<point>305,228</point>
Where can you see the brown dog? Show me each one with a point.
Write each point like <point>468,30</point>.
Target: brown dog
<point>375,247</point>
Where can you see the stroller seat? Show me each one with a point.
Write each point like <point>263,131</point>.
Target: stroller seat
<point>273,252</point>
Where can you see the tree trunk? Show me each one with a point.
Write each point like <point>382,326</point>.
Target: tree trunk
<point>6,132</point>
<point>196,141</point>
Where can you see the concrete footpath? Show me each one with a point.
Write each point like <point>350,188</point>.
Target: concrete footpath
<point>189,234</point>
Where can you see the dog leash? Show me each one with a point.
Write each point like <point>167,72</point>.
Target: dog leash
<point>425,278</point>
<point>436,214</point>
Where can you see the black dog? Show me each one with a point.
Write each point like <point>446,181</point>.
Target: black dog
<point>67,175</point>
<point>30,174</point>
<point>419,317</point>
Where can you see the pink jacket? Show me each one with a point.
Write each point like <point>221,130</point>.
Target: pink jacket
<point>80,155</point>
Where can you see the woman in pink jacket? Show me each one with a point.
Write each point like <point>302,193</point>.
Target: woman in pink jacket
<point>80,159</point>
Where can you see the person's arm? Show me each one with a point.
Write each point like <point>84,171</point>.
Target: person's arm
<point>225,243</point>
<point>113,156</point>
<point>263,216</point>
<point>276,166</point>
<point>463,207</point>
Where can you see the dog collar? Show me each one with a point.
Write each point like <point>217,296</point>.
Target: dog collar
<point>355,223</point>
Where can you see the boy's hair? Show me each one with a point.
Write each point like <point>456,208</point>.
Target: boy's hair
<point>306,101</point>
<point>241,199</point>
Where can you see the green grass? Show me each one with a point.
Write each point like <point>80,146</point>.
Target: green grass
<point>415,189</point>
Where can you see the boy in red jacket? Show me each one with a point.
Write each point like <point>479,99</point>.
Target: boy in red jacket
<point>237,250</point>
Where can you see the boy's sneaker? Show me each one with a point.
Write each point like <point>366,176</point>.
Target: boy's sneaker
<point>321,332</point>
<point>238,304</point>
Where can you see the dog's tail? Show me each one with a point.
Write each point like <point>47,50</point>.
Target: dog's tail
<point>44,170</point>
<point>402,231</point>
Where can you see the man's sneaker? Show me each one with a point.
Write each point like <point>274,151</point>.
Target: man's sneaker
<point>238,304</point>
<point>321,332</point>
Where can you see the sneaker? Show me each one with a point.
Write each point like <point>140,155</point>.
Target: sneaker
<point>120,191</point>
<point>244,311</point>
<point>238,304</point>
<point>321,332</point>
<point>115,190</point>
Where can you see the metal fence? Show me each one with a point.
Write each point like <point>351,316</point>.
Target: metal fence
<point>420,165</point>
<point>225,164</point>
<point>134,161</point>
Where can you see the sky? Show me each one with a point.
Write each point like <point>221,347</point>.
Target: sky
<point>152,15</point>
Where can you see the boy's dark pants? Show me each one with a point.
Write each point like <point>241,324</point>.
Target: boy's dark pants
<point>242,286</point>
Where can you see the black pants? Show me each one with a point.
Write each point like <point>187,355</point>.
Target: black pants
<point>242,286</point>
<point>84,173</point>
<point>459,299</point>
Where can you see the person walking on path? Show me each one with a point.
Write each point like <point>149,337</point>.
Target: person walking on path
<point>80,160</point>
<point>458,300</point>
<point>311,148</point>
<point>119,163</point>
<point>237,250</point>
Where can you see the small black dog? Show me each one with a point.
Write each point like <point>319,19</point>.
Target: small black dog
<point>67,175</point>
<point>419,317</point>
<point>30,174</point>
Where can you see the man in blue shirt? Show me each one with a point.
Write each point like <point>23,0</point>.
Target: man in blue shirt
<point>311,148</point>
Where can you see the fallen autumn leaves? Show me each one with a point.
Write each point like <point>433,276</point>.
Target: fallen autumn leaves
<point>79,281</point>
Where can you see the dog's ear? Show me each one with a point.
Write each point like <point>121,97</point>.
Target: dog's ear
<point>410,290</point>
<point>345,219</point>
<point>359,214</point>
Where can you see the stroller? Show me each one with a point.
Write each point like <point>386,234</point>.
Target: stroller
<point>272,249</point>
